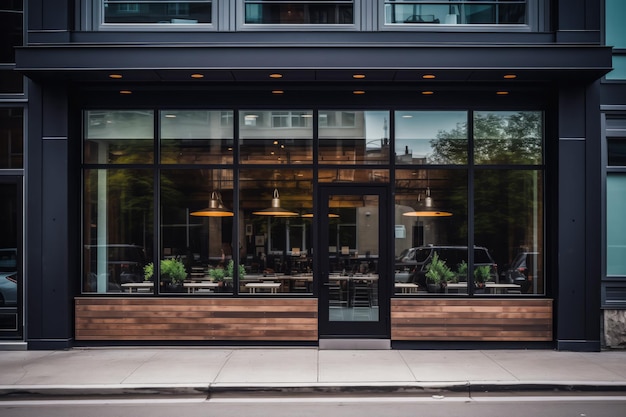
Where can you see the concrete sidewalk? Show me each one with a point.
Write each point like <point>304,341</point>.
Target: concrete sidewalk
<point>207,371</point>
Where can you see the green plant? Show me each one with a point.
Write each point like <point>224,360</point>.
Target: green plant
<point>438,272</point>
<point>171,269</point>
<point>482,274</point>
<point>221,274</point>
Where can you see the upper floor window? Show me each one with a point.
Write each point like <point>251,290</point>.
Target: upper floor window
<point>465,12</point>
<point>163,12</point>
<point>314,12</point>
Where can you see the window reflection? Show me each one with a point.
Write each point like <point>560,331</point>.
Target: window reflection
<point>117,230</point>
<point>300,12</point>
<point>430,217</point>
<point>276,137</point>
<point>455,12</point>
<point>12,138</point>
<point>354,137</point>
<point>119,137</point>
<point>196,136</point>
<point>431,137</point>
<point>170,12</point>
<point>508,137</point>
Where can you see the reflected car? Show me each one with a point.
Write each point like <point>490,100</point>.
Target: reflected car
<point>525,267</point>
<point>8,277</point>
<point>412,263</point>
<point>124,264</point>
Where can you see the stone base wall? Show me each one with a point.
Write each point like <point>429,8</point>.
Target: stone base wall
<point>615,328</point>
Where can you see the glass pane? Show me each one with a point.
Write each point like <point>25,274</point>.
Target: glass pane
<point>353,251</point>
<point>170,12</point>
<point>619,68</point>
<point>282,12</point>
<point>196,234</point>
<point>617,151</point>
<point>508,222</point>
<point>455,12</point>
<point>431,137</point>
<point>11,30</point>
<point>276,136</point>
<point>10,280</point>
<point>119,137</point>
<point>196,136</point>
<point>615,29</point>
<point>616,224</point>
<point>11,138</point>
<point>508,137</point>
<point>354,175</point>
<point>11,82</point>
<point>117,230</point>
<point>353,137</point>
<point>276,208</point>
<point>431,216</point>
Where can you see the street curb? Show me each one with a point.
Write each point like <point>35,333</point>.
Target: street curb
<point>221,390</point>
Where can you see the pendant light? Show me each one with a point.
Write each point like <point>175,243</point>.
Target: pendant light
<point>275,209</point>
<point>426,209</point>
<point>216,208</point>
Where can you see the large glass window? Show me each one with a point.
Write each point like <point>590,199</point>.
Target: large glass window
<point>506,195</point>
<point>284,12</point>
<point>616,232</point>
<point>11,137</point>
<point>163,12</point>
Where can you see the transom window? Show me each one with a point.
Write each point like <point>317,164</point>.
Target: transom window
<point>160,12</point>
<point>318,12</point>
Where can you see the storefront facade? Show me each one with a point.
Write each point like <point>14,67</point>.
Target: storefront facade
<point>260,180</point>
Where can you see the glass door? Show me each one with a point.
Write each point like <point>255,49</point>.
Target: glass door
<point>354,283</point>
<point>10,258</point>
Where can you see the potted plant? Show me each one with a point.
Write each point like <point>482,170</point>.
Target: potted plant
<point>461,272</point>
<point>172,271</point>
<point>438,274</point>
<point>481,275</point>
<point>221,274</point>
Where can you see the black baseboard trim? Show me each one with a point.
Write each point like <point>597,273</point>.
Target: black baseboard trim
<point>579,345</point>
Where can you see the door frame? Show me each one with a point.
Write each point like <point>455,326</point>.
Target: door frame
<point>380,329</point>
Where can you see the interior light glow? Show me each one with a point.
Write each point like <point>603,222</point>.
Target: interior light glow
<point>115,76</point>
<point>276,75</point>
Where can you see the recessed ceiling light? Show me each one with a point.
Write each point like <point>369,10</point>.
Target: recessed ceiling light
<point>429,76</point>
<point>115,76</point>
<point>278,92</point>
<point>126,92</point>
<point>276,75</point>
<point>358,92</point>
<point>170,116</point>
<point>358,76</point>
<point>407,116</point>
<point>428,93</point>
<point>502,93</point>
<point>197,76</point>
<point>510,76</point>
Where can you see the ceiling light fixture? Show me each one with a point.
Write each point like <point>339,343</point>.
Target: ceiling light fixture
<point>429,76</point>
<point>197,76</point>
<point>126,92</point>
<point>216,208</point>
<point>358,76</point>
<point>278,92</point>
<point>426,209</point>
<point>428,93</point>
<point>502,93</point>
<point>358,92</point>
<point>276,75</point>
<point>275,209</point>
<point>115,76</point>
<point>510,76</point>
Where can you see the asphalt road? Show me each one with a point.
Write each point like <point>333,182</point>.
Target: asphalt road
<point>551,406</point>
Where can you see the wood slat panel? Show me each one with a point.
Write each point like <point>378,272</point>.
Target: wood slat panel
<point>471,319</point>
<point>289,319</point>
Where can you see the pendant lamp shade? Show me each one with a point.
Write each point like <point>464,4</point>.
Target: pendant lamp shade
<point>275,209</point>
<point>216,208</point>
<point>426,209</point>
